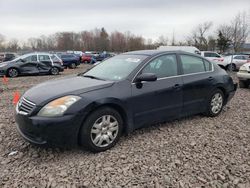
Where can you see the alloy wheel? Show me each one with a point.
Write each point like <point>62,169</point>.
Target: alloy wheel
<point>216,103</point>
<point>13,73</point>
<point>54,71</point>
<point>104,131</point>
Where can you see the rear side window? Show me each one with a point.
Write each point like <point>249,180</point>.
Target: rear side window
<point>55,58</point>
<point>44,58</point>
<point>163,66</point>
<point>31,58</point>
<point>192,64</point>
<point>208,65</point>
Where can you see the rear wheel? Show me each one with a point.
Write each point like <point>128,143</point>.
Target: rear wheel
<point>54,71</point>
<point>73,66</point>
<point>12,72</point>
<point>215,103</point>
<point>231,67</point>
<point>101,130</point>
<point>243,84</point>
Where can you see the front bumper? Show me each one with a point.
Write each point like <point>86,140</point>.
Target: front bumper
<point>56,131</point>
<point>2,72</point>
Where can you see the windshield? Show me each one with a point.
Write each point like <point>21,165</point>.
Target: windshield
<point>21,57</point>
<point>116,68</point>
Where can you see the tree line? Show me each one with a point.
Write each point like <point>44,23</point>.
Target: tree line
<point>232,34</point>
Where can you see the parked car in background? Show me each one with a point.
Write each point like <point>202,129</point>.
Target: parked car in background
<point>76,53</point>
<point>7,56</point>
<point>214,57</point>
<point>70,60</point>
<point>234,62</point>
<point>121,94</point>
<point>33,63</point>
<point>102,56</point>
<point>190,49</point>
<point>244,75</point>
<point>86,58</point>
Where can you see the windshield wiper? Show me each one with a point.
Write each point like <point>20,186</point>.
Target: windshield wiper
<point>92,77</point>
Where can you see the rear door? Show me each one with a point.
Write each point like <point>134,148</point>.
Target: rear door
<point>44,63</point>
<point>29,66</point>
<point>198,82</point>
<point>159,100</point>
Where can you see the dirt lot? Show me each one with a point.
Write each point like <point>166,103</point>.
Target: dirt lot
<point>193,152</point>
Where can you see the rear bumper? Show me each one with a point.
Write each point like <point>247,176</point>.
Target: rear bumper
<point>243,75</point>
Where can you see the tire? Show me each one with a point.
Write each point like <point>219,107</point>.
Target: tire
<point>73,66</point>
<point>231,67</point>
<point>54,71</point>
<point>101,130</point>
<point>215,103</point>
<point>12,72</point>
<point>243,84</point>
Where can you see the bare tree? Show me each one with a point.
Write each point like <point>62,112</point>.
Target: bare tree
<point>13,45</point>
<point>2,40</point>
<point>240,30</point>
<point>199,37</point>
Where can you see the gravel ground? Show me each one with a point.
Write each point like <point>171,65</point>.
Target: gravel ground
<point>191,152</point>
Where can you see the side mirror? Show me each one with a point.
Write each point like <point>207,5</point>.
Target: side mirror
<point>148,77</point>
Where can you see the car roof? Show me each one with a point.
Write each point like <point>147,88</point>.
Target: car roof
<point>157,52</point>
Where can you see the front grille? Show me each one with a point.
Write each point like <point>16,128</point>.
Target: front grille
<point>25,106</point>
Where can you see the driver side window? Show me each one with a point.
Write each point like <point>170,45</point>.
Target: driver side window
<point>163,66</point>
<point>32,58</point>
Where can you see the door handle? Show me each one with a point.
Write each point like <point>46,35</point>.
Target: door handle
<point>176,86</point>
<point>210,78</point>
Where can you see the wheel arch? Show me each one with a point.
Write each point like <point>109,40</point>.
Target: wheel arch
<point>115,104</point>
<point>12,68</point>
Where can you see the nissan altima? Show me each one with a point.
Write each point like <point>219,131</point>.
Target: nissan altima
<point>119,95</point>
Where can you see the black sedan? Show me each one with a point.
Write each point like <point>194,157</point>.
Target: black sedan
<point>120,95</point>
<point>33,63</point>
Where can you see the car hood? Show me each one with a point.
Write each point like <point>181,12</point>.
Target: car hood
<point>76,85</point>
<point>6,63</point>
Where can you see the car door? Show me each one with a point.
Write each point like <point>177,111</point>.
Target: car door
<point>198,82</point>
<point>239,60</point>
<point>44,63</point>
<point>159,100</point>
<point>28,65</point>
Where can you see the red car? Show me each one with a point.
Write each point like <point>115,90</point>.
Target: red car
<point>86,58</point>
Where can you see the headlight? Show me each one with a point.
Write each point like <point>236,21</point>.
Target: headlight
<point>58,106</point>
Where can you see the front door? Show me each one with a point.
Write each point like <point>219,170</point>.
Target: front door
<point>29,66</point>
<point>159,100</point>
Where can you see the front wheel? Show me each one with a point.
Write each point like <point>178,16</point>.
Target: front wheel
<point>12,72</point>
<point>54,71</point>
<point>215,103</point>
<point>101,130</point>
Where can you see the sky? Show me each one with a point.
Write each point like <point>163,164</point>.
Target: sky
<point>22,19</point>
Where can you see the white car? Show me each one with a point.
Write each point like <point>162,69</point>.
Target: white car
<point>244,75</point>
<point>214,57</point>
<point>234,62</point>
